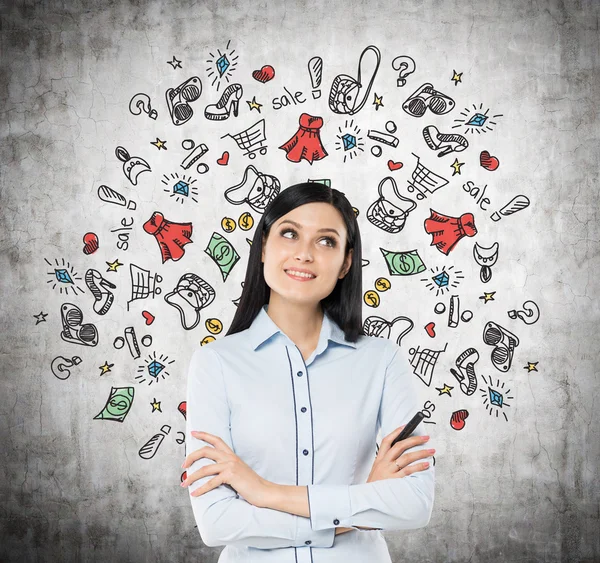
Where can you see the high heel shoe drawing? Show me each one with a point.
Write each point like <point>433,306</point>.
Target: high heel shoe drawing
<point>466,371</point>
<point>450,142</point>
<point>104,297</point>
<point>229,99</point>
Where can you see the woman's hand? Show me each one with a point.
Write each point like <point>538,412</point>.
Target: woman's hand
<point>385,466</point>
<point>340,530</point>
<point>229,469</point>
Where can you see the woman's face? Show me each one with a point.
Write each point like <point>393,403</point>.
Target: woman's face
<point>315,243</point>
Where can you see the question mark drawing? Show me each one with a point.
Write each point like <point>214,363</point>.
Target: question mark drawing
<point>405,65</point>
<point>529,316</point>
<point>141,102</point>
<point>60,366</point>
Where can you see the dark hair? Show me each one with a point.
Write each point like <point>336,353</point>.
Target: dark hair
<point>344,303</point>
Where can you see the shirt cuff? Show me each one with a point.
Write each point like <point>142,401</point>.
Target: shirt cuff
<point>312,538</point>
<point>329,506</point>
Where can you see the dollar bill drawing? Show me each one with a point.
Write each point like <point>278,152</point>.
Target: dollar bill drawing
<point>223,253</point>
<point>118,404</point>
<point>403,263</point>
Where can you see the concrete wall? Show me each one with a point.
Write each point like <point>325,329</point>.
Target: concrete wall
<point>516,481</point>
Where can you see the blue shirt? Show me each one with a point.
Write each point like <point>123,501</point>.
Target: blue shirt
<point>314,424</point>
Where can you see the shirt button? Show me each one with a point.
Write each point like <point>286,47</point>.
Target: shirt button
<point>305,452</point>
<point>299,374</point>
<point>336,521</point>
<point>307,542</point>
<point>303,409</point>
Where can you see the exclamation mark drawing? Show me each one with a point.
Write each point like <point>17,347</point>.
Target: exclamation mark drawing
<point>515,204</point>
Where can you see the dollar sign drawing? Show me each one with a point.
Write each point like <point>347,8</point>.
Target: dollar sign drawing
<point>371,298</point>
<point>224,252</point>
<point>118,405</point>
<point>245,220</point>
<point>228,224</point>
<point>406,263</point>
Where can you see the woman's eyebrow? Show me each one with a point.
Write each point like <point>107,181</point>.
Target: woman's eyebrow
<point>300,226</point>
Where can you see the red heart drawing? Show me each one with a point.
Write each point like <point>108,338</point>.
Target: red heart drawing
<point>265,74</point>
<point>90,243</point>
<point>148,316</point>
<point>430,328</point>
<point>488,162</point>
<point>224,159</point>
<point>458,419</point>
<point>394,165</point>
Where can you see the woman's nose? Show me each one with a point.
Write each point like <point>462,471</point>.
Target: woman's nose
<point>304,254</point>
<point>303,251</point>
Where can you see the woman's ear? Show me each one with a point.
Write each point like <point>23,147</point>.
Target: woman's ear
<point>347,265</point>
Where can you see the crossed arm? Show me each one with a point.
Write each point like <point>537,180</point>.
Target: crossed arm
<point>294,500</point>
<point>296,516</point>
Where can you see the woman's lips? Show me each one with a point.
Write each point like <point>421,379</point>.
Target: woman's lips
<point>299,278</point>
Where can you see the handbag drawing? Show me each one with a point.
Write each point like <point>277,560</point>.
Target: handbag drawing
<point>344,96</point>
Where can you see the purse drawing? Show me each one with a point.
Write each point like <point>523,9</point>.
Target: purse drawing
<point>345,94</point>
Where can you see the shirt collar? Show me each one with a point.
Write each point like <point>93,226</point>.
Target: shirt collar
<point>263,328</point>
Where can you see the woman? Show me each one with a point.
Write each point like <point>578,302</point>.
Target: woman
<point>283,412</point>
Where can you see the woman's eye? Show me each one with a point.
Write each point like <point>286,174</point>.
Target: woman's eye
<point>331,244</point>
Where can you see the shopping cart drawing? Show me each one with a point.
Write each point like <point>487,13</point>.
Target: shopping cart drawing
<point>251,140</point>
<point>424,181</point>
<point>143,284</point>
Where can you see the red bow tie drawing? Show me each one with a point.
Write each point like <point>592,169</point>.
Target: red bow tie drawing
<point>171,237</point>
<point>306,142</point>
<point>446,231</point>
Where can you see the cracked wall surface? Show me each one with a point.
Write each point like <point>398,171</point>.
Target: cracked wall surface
<point>515,484</point>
